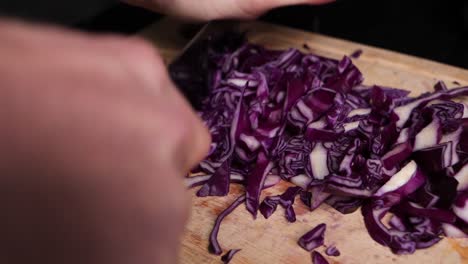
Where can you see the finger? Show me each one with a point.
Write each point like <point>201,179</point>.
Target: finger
<point>199,140</point>
<point>196,138</point>
<point>183,126</point>
<point>254,8</point>
<point>214,9</point>
<point>147,65</point>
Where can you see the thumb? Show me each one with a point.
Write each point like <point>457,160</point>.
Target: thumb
<point>254,8</point>
<point>217,9</point>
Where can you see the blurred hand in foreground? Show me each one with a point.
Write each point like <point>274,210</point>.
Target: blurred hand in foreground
<point>94,143</point>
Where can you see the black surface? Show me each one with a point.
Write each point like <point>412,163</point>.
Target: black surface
<point>434,29</point>
<point>119,18</point>
<point>55,11</point>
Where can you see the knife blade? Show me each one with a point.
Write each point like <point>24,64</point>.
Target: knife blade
<point>191,69</point>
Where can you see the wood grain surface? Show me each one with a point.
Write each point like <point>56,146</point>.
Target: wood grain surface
<point>275,240</point>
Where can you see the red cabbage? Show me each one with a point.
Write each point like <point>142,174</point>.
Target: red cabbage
<point>413,209</point>
<point>286,200</point>
<point>218,184</point>
<point>317,258</point>
<point>194,181</point>
<point>397,155</point>
<point>356,54</point>
<point>397,223</point>
<point>332,251</point>
<point>214,247</point>
<point>269,205</point>
<point>255,183</point>
<point>462,178</point>
<point>314,238</point>
<point>440,86</point>
<point>398,241</point>
<point>343,204</point>
<point>283,115</point>
<point>404,182</point>
<point>229,255</point>
<point>425,197</point>
<point>315,197</point>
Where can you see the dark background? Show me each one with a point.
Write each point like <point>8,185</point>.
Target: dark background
<point>433,29</point>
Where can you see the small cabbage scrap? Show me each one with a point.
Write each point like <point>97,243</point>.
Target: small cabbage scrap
<point>314,238</point>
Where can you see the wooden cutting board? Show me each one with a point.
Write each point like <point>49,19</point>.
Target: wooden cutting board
<point>274,240</point>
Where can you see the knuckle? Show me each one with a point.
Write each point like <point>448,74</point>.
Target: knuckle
<point>145,63</point>
<point>183,136</point>
<point>196,142</point>
<point>204,139</point>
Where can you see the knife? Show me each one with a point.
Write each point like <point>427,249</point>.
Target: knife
<point>191,69</point>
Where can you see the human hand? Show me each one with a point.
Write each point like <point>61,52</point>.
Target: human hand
<point>216,9</point>
<point>94,142</point>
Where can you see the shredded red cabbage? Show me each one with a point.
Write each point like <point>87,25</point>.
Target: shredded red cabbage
<point>286,200</point>
<point>214,246</point>
<point>311,121</point>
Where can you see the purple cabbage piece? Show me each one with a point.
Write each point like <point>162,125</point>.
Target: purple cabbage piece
<point>306,198</point>
<point>397,223</point>
<point>348,76</point>
<point>269,205</point>
<point>365,92</point>
<point>286,200</point>
<point>403,183</point>
<point>226,258</point>
<point>314,238</point>
<point>315,197</point>
<point>332,251</point>
<point>255,183</point>
<point>317,258</point>
<point>440,86</point>
<point>218,184</point>
<point>316,134</point>
<point>356,54</point>
<point>195,181</point>
<point>398,241</point>
<point>404,236</point>
<point>398,154</point>
<point>293,157</point>
<point>425,197</point>
<point>403,112</point>
<point>445,188</point>
<point>198,180</point>
<point>348,191</point>
<point>343,204</point>
<point>440,215</point>
<point>214,246</point>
